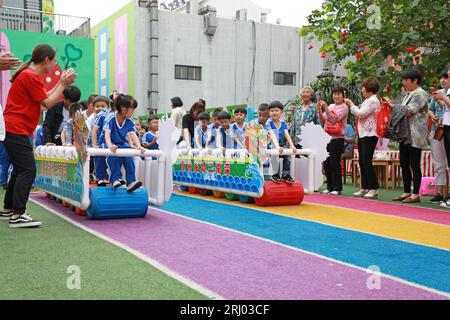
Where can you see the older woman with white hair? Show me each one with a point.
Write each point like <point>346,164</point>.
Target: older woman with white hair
<point>305,113</point>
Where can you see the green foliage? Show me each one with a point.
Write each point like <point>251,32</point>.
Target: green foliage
<point>372,31</point>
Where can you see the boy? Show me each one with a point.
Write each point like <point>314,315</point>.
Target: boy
<point>202,132</point>
<point>68,132</point>
<point>279,133</point>
<point>149,141</point>
<point>238,128</point>
<point>211,142</point>
<point>225,139</point>
<point>263,115</point>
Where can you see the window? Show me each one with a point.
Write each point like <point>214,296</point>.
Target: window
<point>284,78</point>
<point>188,73</point>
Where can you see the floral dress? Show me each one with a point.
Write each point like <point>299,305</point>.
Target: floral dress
<point>301,117</point>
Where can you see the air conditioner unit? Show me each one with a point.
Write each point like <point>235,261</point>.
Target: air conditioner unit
<point>152,112</point>
<point>61,33</point>
<point>210,21</point>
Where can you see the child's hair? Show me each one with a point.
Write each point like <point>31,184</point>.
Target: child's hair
<point>40,52</point>
<point>84,104</point>
<point>204,116</point>
<point>101,99</point>
<point>72,93</point>
<point>151,118</point>
<point>240,110</point>
<point>216,113</point>
<point>276,105</point>
<point>223,115</point>
<point>339,89</point>
<point>263,107</point>
<point>92,98</point>
<point>125,102</point>
<point>74,108</point>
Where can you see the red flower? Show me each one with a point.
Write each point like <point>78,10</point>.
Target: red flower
<point>344,35</point>
<point>361,45</point>
<point>358,56</point>
<point>410,49</point>
<point>435,82</point>
<point>323,54</point>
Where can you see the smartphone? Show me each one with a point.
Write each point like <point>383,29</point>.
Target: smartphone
<point>433,90</point>
<point>318,96</point>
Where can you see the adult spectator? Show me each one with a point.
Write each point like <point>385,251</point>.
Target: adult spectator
<point>366,115</point>
<point>22,113</point>
<point>305,113</point>
<point>335,117</point>
<point>189,123</point>
<point>349,142</point>
<point>57,117</point>
<point>415,105</point>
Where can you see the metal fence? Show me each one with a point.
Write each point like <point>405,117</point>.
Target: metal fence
<point>43,22</point>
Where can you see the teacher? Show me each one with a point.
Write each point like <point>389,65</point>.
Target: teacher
<point>21,116</point>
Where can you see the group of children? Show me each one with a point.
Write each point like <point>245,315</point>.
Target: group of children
<point>217,132</point>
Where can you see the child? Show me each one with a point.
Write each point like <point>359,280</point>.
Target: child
<point>68,131</point>
<point>117,131</point>
<point>225,139</point>
<point>211,142</point>
<point>149,141</point>
<point>98,138</point>
<point>238,128</point>
<point>201,132</point>
<point>263,115</point>
<point>279,133</point>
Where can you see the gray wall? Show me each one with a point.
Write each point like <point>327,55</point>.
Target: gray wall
<point>226,60</point>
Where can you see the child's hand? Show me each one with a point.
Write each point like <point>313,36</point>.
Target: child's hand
<point>143,150</point>
<point>280,150</point>
<point>113,148</point>
<point>294,150</point>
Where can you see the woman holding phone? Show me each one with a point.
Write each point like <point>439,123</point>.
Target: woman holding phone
<point>22,112</point>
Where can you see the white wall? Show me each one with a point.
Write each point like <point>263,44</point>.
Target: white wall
<point>226,60</point>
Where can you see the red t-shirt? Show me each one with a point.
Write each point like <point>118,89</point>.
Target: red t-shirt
<point>23,106</point>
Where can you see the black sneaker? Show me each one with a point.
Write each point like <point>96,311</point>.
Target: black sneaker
<point>288,179</point>
<point>437,199</point>
<point>6,216</point>
<point>24,221</point>
<point>276,178</point>
<point>134,186</point>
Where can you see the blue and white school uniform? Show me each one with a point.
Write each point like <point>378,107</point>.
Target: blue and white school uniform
<point>239,134</point>
<point>148,138</point>
<point>119,137</point>
<point>212,130</point>
<point>280,135</point>
<point>100,162</point>
<point>226,138</point>
<point>202,135</point>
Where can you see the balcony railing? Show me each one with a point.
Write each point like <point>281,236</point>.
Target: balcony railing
<point>43,22</point>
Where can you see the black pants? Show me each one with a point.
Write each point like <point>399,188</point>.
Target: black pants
<point>22,178</point>
<point>332,165</point>
<point>410,160</point>
<point>366,149</point>
<point>447,142</point>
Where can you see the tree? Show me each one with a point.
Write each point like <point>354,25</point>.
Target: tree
<point>384,37</point>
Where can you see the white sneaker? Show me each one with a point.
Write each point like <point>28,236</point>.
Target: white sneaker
<point>360,193</point>
<point>335,193</point>
<point>102,183</point>
<point>446,204</point>
<point>325,192</point>
<point>117,184</point>
<point>134,186</point>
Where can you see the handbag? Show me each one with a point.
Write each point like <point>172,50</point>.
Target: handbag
<point>439,134</point>
<point>334,129</point>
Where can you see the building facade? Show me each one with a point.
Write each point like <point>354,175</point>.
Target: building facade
<point>157,54</point>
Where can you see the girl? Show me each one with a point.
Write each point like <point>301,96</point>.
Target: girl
<point>98,138</point>
<point>117,130</point>
<point>22,112</point>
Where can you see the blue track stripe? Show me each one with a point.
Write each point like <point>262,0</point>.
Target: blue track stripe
<point>422,265</point>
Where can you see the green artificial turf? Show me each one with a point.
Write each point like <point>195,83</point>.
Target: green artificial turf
<point>34,264</point>
<point>387,196</point>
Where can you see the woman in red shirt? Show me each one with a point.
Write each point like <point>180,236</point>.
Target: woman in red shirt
<point>21,115</point>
